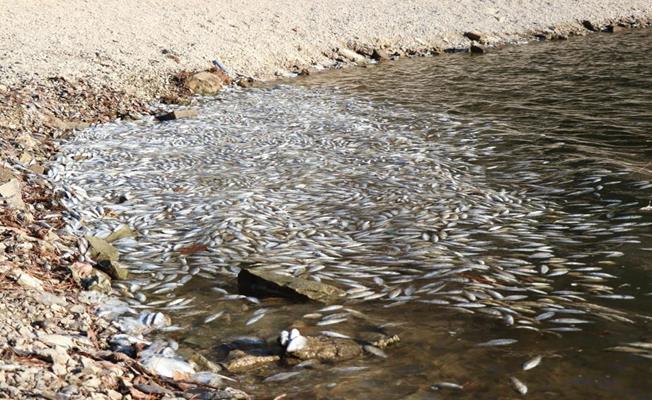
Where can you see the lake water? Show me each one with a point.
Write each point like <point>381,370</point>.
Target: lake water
<point>457,199</point>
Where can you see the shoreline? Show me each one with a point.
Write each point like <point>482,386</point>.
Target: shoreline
<point>38,110</point>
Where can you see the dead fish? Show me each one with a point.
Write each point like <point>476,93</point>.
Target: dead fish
<point>532,363</point>
<point>446,385</point>
<point>497,342</point>
<point>374,350</point>
<point>518,386</point>
<point>281,376</point>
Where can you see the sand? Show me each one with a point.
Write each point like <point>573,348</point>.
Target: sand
<point>135,45</point>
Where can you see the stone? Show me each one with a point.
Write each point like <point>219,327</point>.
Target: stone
<point>114,269</point>
<point>10,193</point>
<point>207,83</point>
<point>89,278</point>
<point>37,169</point>
<point>380,55</point>
<point>327,349</point>
<point>205,364</point>
<point>101,249</point>
<point>49,299</point>
<point>26,280</point>
<point>246,82</point>
<point>151,388</point>
<point>589,25</point>
<point>614,28</point>
<point>473,35</point>
<point>477,49</point>
<point>63,341</point>
<point>259,283</point>
<point>121,233</point>
<point>177,114</point>
<point>352,55</point>
<point>241,361</point>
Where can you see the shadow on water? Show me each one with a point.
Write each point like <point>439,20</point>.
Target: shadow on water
<point>542,153</point>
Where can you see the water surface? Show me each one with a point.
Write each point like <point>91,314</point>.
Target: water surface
<point>456,198</point>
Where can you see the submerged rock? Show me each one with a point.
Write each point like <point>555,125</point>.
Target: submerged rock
<point>241,361</point>
<point>252,282</point>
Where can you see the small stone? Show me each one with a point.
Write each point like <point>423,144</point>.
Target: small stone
<point>65,342</point>
<point>89,278</point>
<point>246,82</point>
<point>11,194</point>
<point>205,364</point>
<point>26,280</point>
<point>49,299</point>
<point>178,114</point>
<point>589,25</point>
<point>113,395</point>
<point>37,169</point>
<point>380,55</point>
<point>614,28</point>
<point>473,35</point>
<point>352,55</point>
<point>477,49</point>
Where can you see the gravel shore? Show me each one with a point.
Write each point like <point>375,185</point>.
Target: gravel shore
<point>65,67</point>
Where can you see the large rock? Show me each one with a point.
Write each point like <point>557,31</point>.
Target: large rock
<point>260,283</point>
<point>207,83</point>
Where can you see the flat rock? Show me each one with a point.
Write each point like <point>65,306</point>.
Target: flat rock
<point>120,233</point>
<point>259,283</point>
<point>101,249</point>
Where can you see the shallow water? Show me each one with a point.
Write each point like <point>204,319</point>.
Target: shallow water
<point>423,187</point>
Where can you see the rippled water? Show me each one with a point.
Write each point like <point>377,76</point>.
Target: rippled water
<point>456,199</point>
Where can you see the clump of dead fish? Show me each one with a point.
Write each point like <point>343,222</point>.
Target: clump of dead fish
<point>340,191</point>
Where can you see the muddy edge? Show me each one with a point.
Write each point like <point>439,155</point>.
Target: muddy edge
<point>52,342</point>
